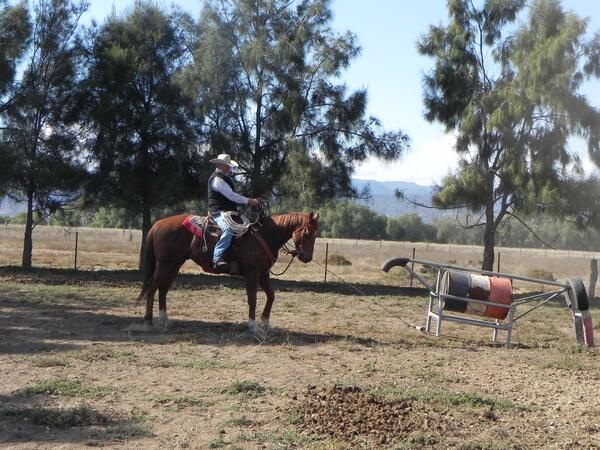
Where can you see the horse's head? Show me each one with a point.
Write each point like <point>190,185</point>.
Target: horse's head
<point>304,237</point>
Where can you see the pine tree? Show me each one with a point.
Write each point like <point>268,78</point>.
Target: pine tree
<point>265,78</point>
<point>512,102</point>
<point>39,132</point>
<point>142,138</point>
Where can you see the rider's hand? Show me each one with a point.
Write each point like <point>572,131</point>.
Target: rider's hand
<point>254,201</point>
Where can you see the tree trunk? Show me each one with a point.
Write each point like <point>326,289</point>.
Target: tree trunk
<point>489,241</point>
<point>27,240</point>
<point>146,223</point>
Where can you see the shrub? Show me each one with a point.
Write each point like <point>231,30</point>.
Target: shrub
<point>541,274</point>
<point>338,260</point>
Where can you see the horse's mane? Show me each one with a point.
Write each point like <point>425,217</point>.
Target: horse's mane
<point>289,219</point>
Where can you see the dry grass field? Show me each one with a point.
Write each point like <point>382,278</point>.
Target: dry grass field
<point>338,371</point>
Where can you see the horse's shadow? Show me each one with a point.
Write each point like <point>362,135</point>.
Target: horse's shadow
<point>188,281</point>
<point>237,333</point>
<point>33,327</point>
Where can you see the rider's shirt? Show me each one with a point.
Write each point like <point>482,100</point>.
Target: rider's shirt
<point>221,196</point>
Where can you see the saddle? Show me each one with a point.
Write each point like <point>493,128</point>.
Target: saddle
<point>207,233</point>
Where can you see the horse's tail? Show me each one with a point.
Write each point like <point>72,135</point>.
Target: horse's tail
<point>148,264</point>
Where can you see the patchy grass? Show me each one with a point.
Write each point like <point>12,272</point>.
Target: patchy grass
<point>433,376</point>
<point>338,260</point>
<point>66,388</point>
<point>245,388</point>
<point>181,402</point>
<point>124,432</point>
<point>79,416</point>
<point>565,363</point>
<point>239,422</point>
<point>219,442</point>
<point>206,364</point>
<point>48,361</point>
<point>102,354</point>
<point>540,274</point>
<point>283,439</point>
<point>449,398</point>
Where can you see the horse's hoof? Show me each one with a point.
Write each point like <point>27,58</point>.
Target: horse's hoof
<point>255,329</point>
<point>264,324</point>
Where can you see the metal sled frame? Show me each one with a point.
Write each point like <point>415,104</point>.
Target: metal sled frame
<point>437,299</point>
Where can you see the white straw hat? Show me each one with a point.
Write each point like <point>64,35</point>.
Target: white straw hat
<point>224,158</point>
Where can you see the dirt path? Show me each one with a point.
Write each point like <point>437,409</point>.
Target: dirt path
<point>337,372</point>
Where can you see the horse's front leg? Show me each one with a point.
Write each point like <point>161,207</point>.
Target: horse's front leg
<point>251,288</point>
<point>265,284</point>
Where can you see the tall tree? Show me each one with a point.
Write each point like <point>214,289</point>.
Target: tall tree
<point>15,29</point>
<point>265,75</point>
<point>140,122</point>
<point>47,170</point>
<point>513,102</point>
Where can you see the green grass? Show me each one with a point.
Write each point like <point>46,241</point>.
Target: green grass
<point>245,388</point>
<point>79,416</point>
<point>66,388</point>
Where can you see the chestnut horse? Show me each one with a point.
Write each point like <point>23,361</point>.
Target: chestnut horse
<point>169,244</point>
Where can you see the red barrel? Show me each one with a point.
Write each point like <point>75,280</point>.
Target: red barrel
<point>478,287</point>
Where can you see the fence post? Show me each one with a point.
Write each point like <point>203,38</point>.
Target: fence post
<point>76,242</point>
<point>499,255</point>
<point>412,266</point>
<point>326,259</point>
<point>593,279</point>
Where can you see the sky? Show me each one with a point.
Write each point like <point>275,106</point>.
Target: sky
<point>391,70</point>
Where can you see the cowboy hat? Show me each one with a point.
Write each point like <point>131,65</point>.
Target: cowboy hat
<point>224,158</point>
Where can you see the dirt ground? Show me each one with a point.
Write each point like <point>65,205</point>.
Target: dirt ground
<point>340,369</point>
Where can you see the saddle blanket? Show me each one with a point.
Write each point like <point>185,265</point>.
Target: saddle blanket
<point>195,224</point>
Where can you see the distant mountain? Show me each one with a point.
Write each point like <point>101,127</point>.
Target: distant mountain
<point>384,201</point>
<point>9,208</point>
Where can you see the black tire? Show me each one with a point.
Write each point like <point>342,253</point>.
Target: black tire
<point>402,262</point>
<point>577,294</point>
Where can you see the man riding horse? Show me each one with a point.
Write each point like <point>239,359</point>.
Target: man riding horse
<point>170,243</point>
<point>222,198</point>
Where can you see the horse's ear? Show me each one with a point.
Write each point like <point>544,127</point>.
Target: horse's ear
<point>314,216</point>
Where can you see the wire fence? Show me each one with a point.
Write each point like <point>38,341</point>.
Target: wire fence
<point>120,248</point>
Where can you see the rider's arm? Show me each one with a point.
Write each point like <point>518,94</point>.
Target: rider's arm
<point>222,187</point>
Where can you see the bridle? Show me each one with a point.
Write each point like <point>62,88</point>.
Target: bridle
<point>298,250</point>
<point>310,228</point>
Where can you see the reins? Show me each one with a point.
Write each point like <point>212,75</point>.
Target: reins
<point>287,251</point>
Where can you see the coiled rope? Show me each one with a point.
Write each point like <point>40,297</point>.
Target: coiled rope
<point>237,228</point>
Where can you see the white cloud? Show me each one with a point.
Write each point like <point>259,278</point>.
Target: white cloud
<point>424,164</point>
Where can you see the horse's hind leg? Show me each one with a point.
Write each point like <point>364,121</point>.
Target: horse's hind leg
<point>163,289</point>
<point>157,280</point>
<point>251,288</point>
<point>265,284</point>
<point>150,300</point>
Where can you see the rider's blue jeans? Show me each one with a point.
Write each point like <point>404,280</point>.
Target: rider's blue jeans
<point>225,240</point>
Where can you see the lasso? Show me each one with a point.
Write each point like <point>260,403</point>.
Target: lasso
<point>237,228</point>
